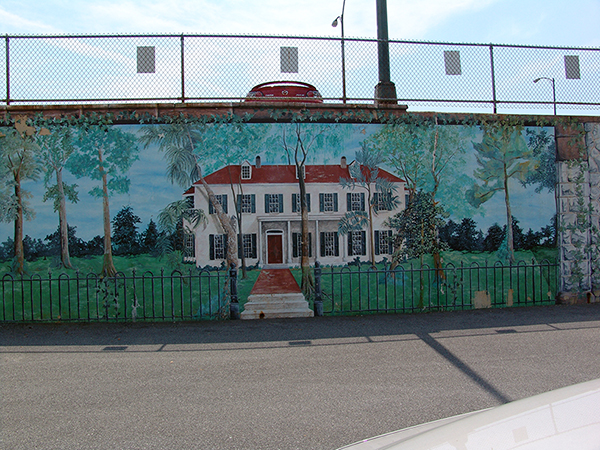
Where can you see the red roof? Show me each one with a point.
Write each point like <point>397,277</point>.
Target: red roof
<point>330,173</point>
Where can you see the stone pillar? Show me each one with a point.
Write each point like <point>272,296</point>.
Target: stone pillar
<point>578,214</point>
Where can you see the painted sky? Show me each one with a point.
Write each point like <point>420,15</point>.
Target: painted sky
<point>151,191</point>
<point>535,22</point>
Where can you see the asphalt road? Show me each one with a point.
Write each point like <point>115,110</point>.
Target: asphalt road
<point>316,383</point>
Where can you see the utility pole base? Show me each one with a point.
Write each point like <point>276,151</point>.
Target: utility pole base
<point>385,94</point>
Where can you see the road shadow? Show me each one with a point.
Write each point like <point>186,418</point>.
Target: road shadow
<point>308,330</point>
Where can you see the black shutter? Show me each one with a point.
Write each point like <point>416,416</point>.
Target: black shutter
<point>267,198</point>
<point>253,246</point>
<point>350,253</point>
<point>362,201</point>
<point>225,246</point>
<point>280,203</point>
<point>240,246</point>
<point>211,244</point>
<point>253,202</point>
<point>337,243</point>
<point>376,242</point>
<point>363,238</point>
<point>310,245</point>
<point>321,202</point>
<point>348,201</point>
<point>308,202</point>
<point>390,242</point>
<point>239,203</point>
<point>322,238</point>
<point>211,208</point>
<point>224,202</point>
<point>335,202</point>
<point>295,245</point>
<point>294,203</point>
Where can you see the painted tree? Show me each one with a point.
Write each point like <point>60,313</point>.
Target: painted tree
<point>149,238</point>
<point>227,144</point>
<point>179,141</point>
<point>105,154</point>
<point>364,176</point>
<point>56,149</point>
<point>19,162</point>
<point>430,158</point>
<point>125,235</point>
<point>299,143</point>
<point>502,156</point>
<point>543,148</point>
<point>415,230</point>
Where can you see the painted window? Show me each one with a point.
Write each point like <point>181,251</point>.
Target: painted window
<point>382,201</point>
<point>189,249</point>
<point>246,172</point>
<point>328,202</point>
<point>357,243</point>
<point>355,201</point>
<point>273,203</point>
<point>222,199</point>
<point>329,243</point>
<point>246,203</point>
<point>296,202</point>
<point>218,246</point>
<point>297,245</point>
<point>189,200</point>
<point>247,243</point>
<point>384,244</point>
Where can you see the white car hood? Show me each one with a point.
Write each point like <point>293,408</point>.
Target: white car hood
<point>567,418</point>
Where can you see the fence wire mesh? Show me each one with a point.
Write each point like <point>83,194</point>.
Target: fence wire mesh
<point>183,68</point>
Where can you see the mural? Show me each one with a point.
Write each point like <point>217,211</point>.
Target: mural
<point>299,192</point>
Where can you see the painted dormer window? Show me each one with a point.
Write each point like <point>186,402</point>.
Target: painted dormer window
<point>246,171</point>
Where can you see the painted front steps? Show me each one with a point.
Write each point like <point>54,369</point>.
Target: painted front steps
<point>276,295</point>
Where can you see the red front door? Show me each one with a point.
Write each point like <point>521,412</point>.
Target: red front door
<point>275,249</point>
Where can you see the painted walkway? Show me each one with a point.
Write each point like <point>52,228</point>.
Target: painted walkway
<point>275,281</point>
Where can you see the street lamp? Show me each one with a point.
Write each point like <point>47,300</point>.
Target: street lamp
<point>553,89</point>
<point>334,24</point>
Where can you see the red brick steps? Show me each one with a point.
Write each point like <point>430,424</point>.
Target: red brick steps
<point>276,295</point>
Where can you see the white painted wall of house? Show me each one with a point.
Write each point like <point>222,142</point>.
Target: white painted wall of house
<point>287,221</point>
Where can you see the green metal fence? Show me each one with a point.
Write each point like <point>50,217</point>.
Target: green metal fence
<point>203,294</point>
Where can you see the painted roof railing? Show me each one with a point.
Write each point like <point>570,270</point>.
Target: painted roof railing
<point>446,77</point>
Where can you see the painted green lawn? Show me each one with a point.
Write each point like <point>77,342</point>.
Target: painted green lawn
<point>411,288</point>
<point>144,289</point>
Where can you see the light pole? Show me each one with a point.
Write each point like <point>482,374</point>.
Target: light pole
<point>385,91</point>
<point>334,24</point>
<point>553,89</point>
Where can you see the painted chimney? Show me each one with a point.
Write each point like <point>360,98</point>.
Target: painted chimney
<point>343,162</point>
<point>258,162</point>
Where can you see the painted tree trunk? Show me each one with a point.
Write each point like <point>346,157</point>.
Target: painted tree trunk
<point>225,222</point>
<point>371,234</point>
<point>108,265</point>
<point>308,282</point>
<point>18,244</point>
<point>62,221</point>
<point>509,228</point>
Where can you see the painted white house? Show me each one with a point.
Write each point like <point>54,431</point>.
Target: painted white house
<point>268,196</point>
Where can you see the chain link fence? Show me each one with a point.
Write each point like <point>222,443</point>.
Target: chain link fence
<point>446,77</point>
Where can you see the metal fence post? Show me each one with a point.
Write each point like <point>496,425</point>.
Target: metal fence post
<point>182,70</point>
<point>493,78</point>
<point>234,306</point>
<point>7,70</point>
<point>318,293</point>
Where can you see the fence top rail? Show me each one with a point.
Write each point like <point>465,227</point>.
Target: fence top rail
<point>282,36</point>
